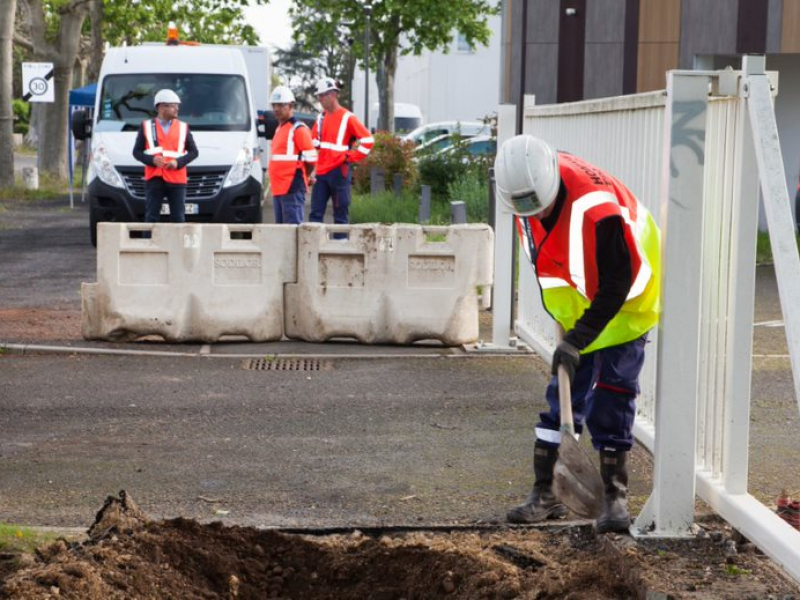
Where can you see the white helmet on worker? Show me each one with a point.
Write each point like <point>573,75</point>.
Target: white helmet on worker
<point>527,176</point>
<point>281,95</point>
<point>326,84</point>
<point>166,97</point>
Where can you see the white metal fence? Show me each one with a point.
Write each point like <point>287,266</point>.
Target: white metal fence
<point>694,155</point>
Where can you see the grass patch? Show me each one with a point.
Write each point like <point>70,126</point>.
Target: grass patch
<point>17,539</point>
<point>386,208</point>
<point>49,189</point>
<point>764,249</point>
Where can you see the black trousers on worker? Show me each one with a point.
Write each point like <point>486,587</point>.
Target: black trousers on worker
<point>155,190</point>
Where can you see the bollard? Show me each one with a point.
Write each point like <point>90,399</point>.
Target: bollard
<point>30,178</point>
<point>377,180</point>
<point>425,204</point>
<point>458,212</point>
<point>492,199</point>
<point>397,180</point>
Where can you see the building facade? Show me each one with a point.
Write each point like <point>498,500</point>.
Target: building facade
<point>581,49</point>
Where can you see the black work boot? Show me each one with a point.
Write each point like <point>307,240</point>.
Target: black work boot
<point>614,471</point>
<point>541,504</point>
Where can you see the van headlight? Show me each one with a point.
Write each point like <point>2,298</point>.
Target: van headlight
<point>241,167</point>
<point>101,162</point>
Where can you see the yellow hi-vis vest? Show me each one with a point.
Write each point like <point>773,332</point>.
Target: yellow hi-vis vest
<point>565,257</point>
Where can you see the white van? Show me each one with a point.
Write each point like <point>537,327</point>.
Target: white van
<point>406,117</point>
<point>226,181</point>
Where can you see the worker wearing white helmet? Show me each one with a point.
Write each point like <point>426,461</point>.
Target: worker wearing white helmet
<point>165,146</point>
<point>342,140</point>
<point>596,252</point>
<point>291,160</point>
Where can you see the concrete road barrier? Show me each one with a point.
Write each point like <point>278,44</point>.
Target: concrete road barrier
<point>389,284</point>
<point>189,282</point>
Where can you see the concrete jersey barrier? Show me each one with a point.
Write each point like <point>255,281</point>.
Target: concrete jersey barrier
<point>189,282</point>
<point>389,284</point>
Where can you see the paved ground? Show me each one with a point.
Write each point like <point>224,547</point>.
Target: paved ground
<point>401,439</point>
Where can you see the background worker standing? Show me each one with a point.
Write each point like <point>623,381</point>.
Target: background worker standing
<point>335,132</point>
<point>596,252</point>
<point>165,146</point>
<point>292,158</point>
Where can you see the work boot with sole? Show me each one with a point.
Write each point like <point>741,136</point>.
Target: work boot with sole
<point>542,503</point>
<point>614,472</point>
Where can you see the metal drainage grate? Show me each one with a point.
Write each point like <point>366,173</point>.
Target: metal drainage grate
<point>287,364</point>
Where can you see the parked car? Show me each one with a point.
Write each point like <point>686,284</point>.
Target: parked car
<point>431,131</point>
<point>479,145</point>
<point>439,143</point>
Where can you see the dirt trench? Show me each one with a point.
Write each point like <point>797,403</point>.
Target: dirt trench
<point>129,556</point>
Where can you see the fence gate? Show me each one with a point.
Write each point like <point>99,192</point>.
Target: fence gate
<point>694,155</point>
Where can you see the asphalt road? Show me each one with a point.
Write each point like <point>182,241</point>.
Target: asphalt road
<point>368,441</point>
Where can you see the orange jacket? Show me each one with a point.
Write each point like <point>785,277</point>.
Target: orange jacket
<point>171,145</point>
<point>334,134</point>
<point>291,148</point>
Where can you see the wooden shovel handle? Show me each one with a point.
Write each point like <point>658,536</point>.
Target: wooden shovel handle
<point>564,392</point>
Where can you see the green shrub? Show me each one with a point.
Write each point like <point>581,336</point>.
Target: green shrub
<point>473,190</point>
<point>22,116</point>
<point>391,154</point>
<point>441,169</point>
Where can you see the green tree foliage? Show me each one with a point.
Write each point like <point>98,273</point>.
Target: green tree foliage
<point>309,59</point>
<point>396,26</point>
<point>205,21</point>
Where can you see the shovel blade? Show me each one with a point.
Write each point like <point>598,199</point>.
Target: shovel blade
<point>576,481</point>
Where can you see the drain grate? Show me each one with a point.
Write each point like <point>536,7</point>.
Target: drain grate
<point>287,364</point>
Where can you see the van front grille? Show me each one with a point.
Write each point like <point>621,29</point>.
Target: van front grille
<point>202,183</point>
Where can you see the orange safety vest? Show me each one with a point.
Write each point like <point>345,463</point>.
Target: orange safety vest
<point>334,133</point>
<point>169,145</point>
<point>291,147</point>
<point>566,257</point>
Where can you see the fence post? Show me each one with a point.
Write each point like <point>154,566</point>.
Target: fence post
<point>377,180</point>
<point>458,211</point>
<point>670,509</point>
<point>397,180</point>
<point>425,204</point>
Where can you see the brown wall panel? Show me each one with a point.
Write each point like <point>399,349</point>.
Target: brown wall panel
<point>653,63</point>
<point>790,28</point>
<point>659,20</point>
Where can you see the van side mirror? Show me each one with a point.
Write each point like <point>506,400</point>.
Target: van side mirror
<point>81,125</point>
<point>267,124</point>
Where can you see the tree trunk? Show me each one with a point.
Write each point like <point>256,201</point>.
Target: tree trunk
<point>54,116</point>
<point>387,72</point>
<point>96,56</point>
<point>8,10</point>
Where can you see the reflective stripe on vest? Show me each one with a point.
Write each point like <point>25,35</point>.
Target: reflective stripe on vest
<point>308,156</point>
<point>577,260</point>
<point>151,135</point>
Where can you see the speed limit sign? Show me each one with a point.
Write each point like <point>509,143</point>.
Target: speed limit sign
<point>37,82</point>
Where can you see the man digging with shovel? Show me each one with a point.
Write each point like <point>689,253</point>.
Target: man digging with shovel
<point>596,252</point>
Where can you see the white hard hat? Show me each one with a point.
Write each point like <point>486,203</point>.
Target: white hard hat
<point>281,95</point>
<point>166,96</point>
<point>527,176</point>
<point>326,84</point>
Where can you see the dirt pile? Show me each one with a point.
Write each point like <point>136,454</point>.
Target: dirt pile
<point>128,556</point>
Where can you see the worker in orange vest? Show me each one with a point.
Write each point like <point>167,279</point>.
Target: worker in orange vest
<point>165,146</point>
<point>292,159</point>
<point>341,140</point>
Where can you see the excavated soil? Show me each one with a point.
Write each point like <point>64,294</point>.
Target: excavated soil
<point>129,556</point>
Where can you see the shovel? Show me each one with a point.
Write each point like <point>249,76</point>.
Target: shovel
<point>576,481</point>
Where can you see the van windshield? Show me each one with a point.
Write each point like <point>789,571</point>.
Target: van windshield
<point>208,102</point>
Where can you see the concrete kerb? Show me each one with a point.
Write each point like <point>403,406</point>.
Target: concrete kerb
<point>205,352</point>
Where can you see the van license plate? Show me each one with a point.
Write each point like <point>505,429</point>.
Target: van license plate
<point>191,209</point>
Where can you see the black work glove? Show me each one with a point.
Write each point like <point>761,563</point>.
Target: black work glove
<point>568,356</point>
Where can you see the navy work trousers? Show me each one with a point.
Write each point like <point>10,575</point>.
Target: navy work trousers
<point>603,397</point>
<point>155,190</point>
